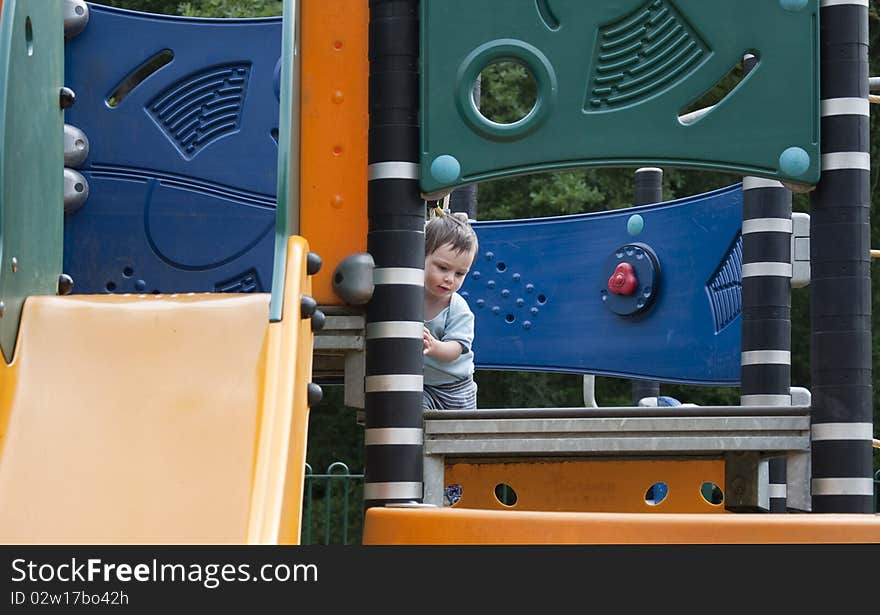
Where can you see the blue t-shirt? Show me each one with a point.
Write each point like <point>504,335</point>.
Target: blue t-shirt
<point>454,323</point>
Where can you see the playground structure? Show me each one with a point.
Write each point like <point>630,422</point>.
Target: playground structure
<point>136,417</point>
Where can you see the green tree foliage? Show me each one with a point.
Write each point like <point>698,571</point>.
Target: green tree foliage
<point>203,8</point>
<point>159,7</point>
<point>232,8</point>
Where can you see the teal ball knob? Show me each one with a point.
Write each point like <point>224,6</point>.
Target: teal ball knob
<point>635,224</point>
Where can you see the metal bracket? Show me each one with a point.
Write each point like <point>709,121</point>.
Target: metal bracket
<point>339,351</point>
<point>800,250</point>
<point>747,482</point>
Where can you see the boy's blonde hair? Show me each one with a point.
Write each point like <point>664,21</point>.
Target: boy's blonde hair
<point>450,228</point>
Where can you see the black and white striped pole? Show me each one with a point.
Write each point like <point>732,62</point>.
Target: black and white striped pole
<point>766,308</point>
<point>766,305</point>
<point>647,189</point>
<point>393,435</point>
<point>840,299</point>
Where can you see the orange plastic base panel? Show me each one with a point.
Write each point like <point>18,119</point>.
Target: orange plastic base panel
<point>428,525</point>
<point>592,486</point>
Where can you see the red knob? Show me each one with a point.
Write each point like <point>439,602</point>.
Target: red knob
<point>623,281</point>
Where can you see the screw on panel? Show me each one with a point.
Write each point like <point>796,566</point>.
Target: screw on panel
<point>314,394</point>
<point>14,264</point>
<point>65,284</point>
<point>66,98</point>
<point>313,263</point>
<point>2,309</point>
<point>307,306</point>
<point>318,321</point>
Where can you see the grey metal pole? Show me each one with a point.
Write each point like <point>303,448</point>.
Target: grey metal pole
<point>393,432</point>
<point>647,188</point>
<point>840,298</point>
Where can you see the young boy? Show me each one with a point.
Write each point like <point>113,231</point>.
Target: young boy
<point>450,248</point>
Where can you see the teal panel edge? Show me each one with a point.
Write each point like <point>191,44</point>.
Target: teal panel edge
<point>612,78</point>
<point>31,157</point>
<point>287,211</point>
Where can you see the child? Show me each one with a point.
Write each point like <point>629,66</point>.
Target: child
<point>450,248</point>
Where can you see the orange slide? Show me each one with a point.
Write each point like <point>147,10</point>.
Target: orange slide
<point>157,419</point>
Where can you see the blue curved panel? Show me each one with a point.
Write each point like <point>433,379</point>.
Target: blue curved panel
<point>182,168</point>
<point>536,289</point>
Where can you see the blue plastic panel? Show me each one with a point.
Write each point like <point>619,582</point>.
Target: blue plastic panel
<point>182,171</point>
<point>536,290</point>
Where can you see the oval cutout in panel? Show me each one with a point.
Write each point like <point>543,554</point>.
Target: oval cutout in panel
<point>722,89</point>
<point>505,494</point>
<point>138,76</point>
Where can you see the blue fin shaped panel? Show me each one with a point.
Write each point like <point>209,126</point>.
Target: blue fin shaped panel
<point>539,290</point>
<point>182,119</point>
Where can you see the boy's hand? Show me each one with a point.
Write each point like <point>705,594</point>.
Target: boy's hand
<point>429,342</point>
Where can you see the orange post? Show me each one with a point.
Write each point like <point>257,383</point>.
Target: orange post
<point>333,151</point>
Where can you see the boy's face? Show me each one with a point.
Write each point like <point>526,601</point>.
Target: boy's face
<point>445,270</point>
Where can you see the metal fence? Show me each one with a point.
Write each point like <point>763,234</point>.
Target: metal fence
<point>332,506</point>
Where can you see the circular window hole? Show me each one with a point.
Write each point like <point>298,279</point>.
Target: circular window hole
<point>507,92</point>
<point>542,299</point>
<point>337,278</point>
<point>510,318</point>
<point>128,272</point>
<point>111,286</point>
<point>656,493</point>
<point>505,494</point>
<point>712,493</point>
<point>501,267</point>
<point>452,494</point>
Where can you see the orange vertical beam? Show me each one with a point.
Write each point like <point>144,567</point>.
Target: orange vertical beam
<point>335,121</point>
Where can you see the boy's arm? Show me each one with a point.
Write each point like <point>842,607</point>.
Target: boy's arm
<point>442,351</point>
<point>458,336</point>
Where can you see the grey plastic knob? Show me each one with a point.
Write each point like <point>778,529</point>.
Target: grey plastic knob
<point>353,279</point>
<point>76,146</point>
<point>76,190</point>
<point>76,17</point>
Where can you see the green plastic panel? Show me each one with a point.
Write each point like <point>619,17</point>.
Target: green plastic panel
<point>613,78</point>
<point>31,157</point>
<point>287,211</point>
